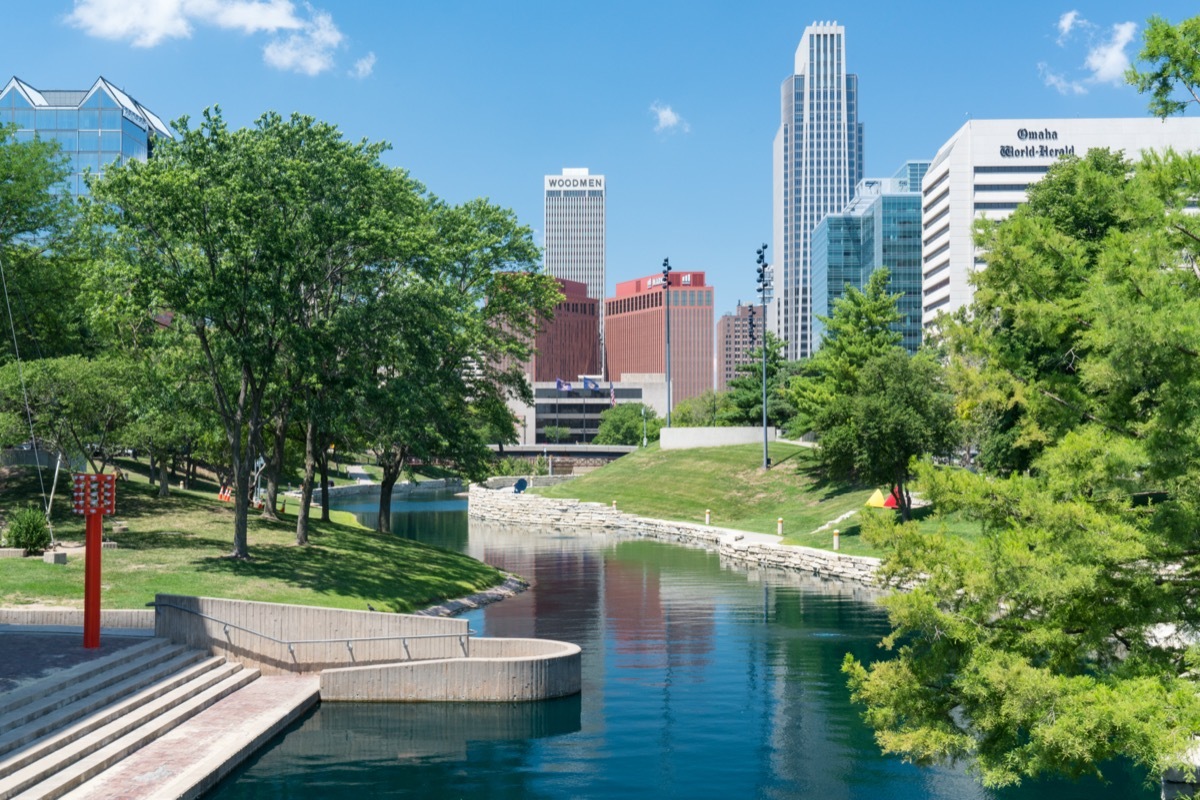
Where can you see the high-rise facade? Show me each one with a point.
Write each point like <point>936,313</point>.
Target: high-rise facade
<point>94,127</point>
<point>734,343</point>
<point>575,233</point>
<point>985,171</point>
<point>637,329</point>
<point>818,160</point>
<point>880,227</point>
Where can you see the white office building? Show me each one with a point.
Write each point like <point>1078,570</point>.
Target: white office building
<point>985,169</point>
<point>818,160</point>
<point>575,233</point>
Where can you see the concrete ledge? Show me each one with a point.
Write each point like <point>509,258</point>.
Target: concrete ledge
<point>73,617</point>
<point>497,670</point>
<point>692,438</point>
<point>11,552</point>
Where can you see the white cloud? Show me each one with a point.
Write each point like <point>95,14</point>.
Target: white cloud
<point>309,50</point>
<point>1060,82</point>
<point>363,67</point>
<point>1107,61</point>
<point>666,119</point>
<point>1066,23</point>
<point>307,39</point>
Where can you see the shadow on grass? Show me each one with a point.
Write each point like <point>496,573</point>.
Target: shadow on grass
<point>392,573</point>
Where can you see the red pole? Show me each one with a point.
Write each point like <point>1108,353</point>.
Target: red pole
<point>91,580</point>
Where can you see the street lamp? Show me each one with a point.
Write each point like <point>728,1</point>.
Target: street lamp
<point>666,273</point>
<point>764,283</point>
<point>645,441</point>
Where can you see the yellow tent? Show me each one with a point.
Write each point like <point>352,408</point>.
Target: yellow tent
<point>877,500</point>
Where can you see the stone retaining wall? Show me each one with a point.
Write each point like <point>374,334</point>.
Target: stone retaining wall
<point>523,510</point>
<point>497,670</point>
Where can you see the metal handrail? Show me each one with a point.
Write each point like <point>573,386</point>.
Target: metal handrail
<point>349,640</point>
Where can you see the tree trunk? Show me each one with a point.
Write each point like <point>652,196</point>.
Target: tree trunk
<point>274,468</point>
<point>152,470</point>
<point>391,473</point>
<point>306,486</point>
<point>164,485</point>
<point>323,461</point>
<point>241,505</point>
<point>903,501</point>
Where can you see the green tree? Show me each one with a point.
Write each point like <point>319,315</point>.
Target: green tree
<point>41,259</point>
<point>900,410</point>
<point>859,329</point>
<point>622,424</point>
<point>236,233</point>
<point>745,390</point>
<point>556,433</point>
<point>709,409</point>
<point>1060,638</point>
<point>1173,52</point>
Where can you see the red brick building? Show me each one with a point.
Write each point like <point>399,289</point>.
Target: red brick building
<point>733,341</point>
<point>635,331</point>
<point>568,345</point>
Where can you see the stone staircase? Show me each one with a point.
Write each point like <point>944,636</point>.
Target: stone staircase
<point>70,727</point>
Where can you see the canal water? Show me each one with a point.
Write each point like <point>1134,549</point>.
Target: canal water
<point>701,679</point>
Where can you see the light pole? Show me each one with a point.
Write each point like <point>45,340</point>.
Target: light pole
<point>763,285</point>
<point>666,272</point>
<point>644,440</point>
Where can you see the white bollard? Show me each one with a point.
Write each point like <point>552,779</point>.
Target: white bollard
<point>614,505</point>
<point>836,534</point>
<point>779,526</point>
<point>707,516</point>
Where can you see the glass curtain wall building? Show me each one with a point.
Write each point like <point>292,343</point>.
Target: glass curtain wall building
<point>880,227</point>
<point>818,160</point>
<point>94,127</point>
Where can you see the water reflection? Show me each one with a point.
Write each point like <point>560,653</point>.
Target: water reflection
<point>701,678</point>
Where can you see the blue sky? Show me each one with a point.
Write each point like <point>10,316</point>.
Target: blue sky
<point>675,102</point>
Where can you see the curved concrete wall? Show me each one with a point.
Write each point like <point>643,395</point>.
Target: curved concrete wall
<point>497,670</point>
<point>691,438</point>
<point>297,623</point>
<point>73,617</point>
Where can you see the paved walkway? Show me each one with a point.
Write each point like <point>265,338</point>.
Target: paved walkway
<point>191,759</point>
<point>28,653</point>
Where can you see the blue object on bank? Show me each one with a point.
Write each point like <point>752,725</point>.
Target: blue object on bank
<point>520,486</point>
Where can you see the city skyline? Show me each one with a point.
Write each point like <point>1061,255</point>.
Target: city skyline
<point>680,104</point>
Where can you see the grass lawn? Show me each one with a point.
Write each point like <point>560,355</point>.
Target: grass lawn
<point>681,484</point>
<point>177,545</point>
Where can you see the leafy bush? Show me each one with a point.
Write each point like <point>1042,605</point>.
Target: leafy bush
<point>28,530</point>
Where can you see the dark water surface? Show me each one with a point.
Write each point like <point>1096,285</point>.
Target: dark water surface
<point>701,679</point>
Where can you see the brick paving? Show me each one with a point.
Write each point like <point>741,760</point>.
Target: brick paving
<point>26,656</point>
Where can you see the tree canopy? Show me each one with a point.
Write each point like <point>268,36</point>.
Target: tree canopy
<point>1064,635</point>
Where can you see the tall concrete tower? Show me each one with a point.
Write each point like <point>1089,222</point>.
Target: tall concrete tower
<point>818,162</point>
<point>574,229</point>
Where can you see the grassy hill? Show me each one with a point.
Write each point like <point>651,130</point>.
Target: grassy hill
<point>681,484</point>
<point>177,544</point>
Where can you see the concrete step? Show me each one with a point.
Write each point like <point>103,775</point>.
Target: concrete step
<point>49,733</point>
<point>67,691</point>
<point>61,771</point>
<point>11,701</point>
<point>194,757</point>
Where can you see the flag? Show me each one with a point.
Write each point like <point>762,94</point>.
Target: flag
<point>562,385</point>
<point>612,395</point>
<point>588,383</point>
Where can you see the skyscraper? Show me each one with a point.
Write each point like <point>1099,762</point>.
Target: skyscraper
<point>94,127</point>
<point>818,162</point>
<point>734,344</point>
<point>574,229</point>
<point>880,227</point>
